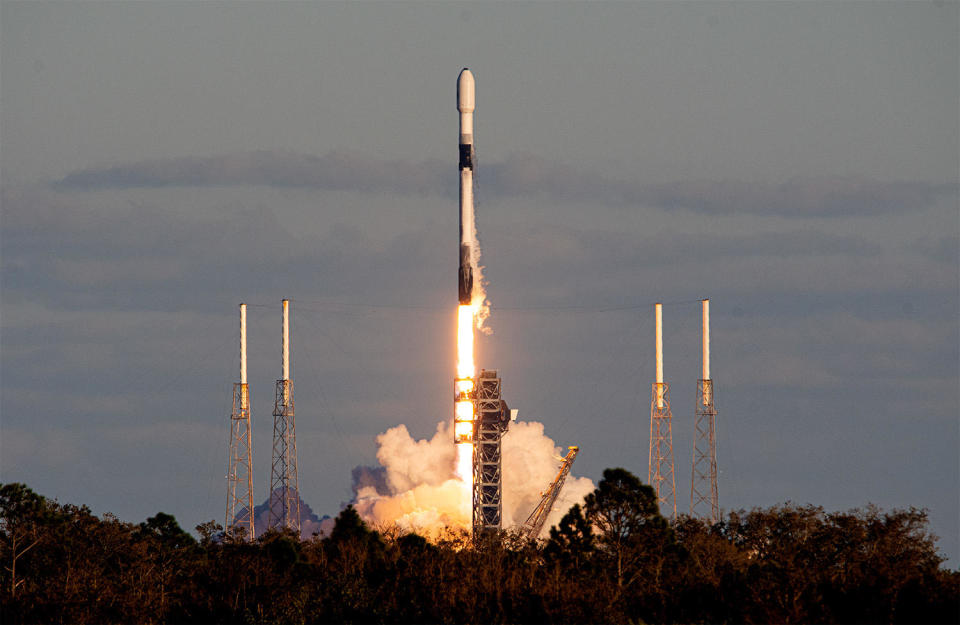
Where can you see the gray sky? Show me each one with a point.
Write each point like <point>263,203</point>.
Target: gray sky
<point>795,162</point>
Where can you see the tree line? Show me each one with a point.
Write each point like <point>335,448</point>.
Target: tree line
<point>611,559</point>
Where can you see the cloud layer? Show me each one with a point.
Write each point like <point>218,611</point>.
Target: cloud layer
<point>520,174</point>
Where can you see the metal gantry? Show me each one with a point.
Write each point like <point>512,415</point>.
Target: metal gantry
<point>534,523</point>
<point>704,501</point>
<point>660,463</point>
<point>240,464</point>
<point>491,421</point>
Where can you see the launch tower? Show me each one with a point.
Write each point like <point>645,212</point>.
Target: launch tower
<point>240,465</point>
<point>704,501</point>
<point>492,420</point>
<point>660,464</point>
<point>284,486</point>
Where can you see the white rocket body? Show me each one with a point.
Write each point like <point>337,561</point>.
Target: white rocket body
<point>466,103</point>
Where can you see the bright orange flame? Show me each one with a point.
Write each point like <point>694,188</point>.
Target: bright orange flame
<point>465,342</point>
<point>465,464</point>
<point>463,388</point>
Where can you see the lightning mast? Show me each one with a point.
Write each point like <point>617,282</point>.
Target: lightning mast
<point>284,486</point>
<point>660,462</point>
<point>704,501</point>
<point>240,466</point>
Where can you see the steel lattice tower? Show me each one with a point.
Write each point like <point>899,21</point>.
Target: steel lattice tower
<point>660,471</point>
<point>703,484</point>
<point>240,465</point>
<point>491,421</point>
<point>284,484</point>
<point>660,461</point>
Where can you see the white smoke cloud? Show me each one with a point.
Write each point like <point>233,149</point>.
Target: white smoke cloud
<point>531,461</point>
<point>410,463</point>
<point>426,497</point>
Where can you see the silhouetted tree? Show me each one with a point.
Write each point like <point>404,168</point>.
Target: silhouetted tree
<point>612,559</point>
<point>22,515</point>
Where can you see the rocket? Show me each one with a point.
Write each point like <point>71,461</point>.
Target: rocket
<point>466,103</point>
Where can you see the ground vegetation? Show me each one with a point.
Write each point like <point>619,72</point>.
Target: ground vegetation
<point>611,559</point>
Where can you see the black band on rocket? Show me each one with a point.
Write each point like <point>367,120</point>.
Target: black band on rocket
<point>466,156</point>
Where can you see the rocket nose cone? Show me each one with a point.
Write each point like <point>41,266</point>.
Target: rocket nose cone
<point>466,92</point>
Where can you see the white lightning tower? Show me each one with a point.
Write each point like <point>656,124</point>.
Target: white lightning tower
<point>658,348</point>
<point>660,461</point>
<point>705,304</point>
<point>240,466</point>
<point>704,500</point>
<point>284,485</point>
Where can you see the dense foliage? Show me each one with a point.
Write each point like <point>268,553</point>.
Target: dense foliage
<point>613,559</point>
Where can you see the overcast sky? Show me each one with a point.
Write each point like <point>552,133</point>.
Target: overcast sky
<point>795,162</point>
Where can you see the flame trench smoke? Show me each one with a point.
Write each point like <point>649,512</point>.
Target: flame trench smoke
<point>421,491</point>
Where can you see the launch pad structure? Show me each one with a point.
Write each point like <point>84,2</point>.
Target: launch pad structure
<point>490,423</point>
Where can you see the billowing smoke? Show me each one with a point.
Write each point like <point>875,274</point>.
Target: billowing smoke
<point>530,463</point>
<point>375,477</point>
<point>419,492</point>
<point>310,523</point>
